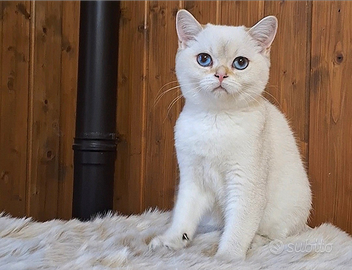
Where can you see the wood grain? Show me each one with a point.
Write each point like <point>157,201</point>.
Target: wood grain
<point>14,63</point>
<point>241,12</point>
<point>44,171</point>
<point>204,11</point>
<point>330,145</point>
<point>68,90</point>
<point>131,122</point>
<point>161,168</point>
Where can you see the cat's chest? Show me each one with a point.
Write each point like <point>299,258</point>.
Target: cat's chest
<point>214,135</point>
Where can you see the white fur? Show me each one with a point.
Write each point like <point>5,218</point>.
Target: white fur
<point>118,242</point>
<point>237,155</point>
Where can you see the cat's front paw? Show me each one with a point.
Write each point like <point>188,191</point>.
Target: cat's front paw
<point>171,242</point>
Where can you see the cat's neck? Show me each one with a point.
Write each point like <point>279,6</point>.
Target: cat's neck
<point>254,104</point>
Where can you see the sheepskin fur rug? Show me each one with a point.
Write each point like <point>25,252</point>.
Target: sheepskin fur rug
<point>120,242</point>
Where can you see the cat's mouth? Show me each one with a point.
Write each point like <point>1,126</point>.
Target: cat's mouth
<point>219,89</point>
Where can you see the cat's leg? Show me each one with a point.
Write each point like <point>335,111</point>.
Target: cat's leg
<point>244,206</point>
<point>259,241</point>
<point>192,202</point>
<point>214,218</point>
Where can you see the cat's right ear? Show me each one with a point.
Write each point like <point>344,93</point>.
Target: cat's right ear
<point>187,27</point>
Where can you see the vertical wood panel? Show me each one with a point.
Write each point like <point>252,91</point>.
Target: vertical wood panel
<point>130,171</point>
<point>330,144</point>
<point>241,12</point>
<point>204,11</point>
<point>290,65</point>
<point>14,20</point>
<point>66,129</point>
<point>161,168</point>
<point>43,187</point>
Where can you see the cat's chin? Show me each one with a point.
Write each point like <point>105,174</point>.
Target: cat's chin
<point>219,92</point>
<point>220,89</point>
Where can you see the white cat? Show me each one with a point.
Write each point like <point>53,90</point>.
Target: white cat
<point>237,155</point>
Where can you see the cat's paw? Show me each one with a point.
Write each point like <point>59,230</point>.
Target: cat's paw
<point>171,242</point>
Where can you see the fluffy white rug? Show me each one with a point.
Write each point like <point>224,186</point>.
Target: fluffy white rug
<point>119,242</point>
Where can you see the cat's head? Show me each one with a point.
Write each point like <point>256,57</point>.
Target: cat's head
<point>223,66</point>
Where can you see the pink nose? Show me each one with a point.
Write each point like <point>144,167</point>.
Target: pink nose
<point>221,73</point>
<point>221,77</point>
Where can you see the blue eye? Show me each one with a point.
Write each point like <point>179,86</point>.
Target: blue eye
<point>204,60</point>
<point>240,63</point>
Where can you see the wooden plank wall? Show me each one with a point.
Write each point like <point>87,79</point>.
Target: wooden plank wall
<point>330,143</point>
<point>39,50</point>
<point>311,63</point>
<point>15,58</point>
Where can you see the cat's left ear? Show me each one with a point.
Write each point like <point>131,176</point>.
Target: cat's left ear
<point>264,31</point>
<point>187,27</point>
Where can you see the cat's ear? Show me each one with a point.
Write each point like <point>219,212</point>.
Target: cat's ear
<point>187,27</point>
<point>264,31</point>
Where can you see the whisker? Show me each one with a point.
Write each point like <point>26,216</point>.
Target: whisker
<point>244,96</point>
<point>248,94</point>
<point>269,94</point>
<point>157,99</point>
<point>166,85</point>
<point>173,102</point>
<point>165,92</point>
<point>193,91</point>
<point>253,97</point>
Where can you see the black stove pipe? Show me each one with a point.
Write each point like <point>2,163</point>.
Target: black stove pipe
<point>95,139</point>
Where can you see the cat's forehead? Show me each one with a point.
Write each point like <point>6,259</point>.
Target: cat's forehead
<point>223,40</point>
